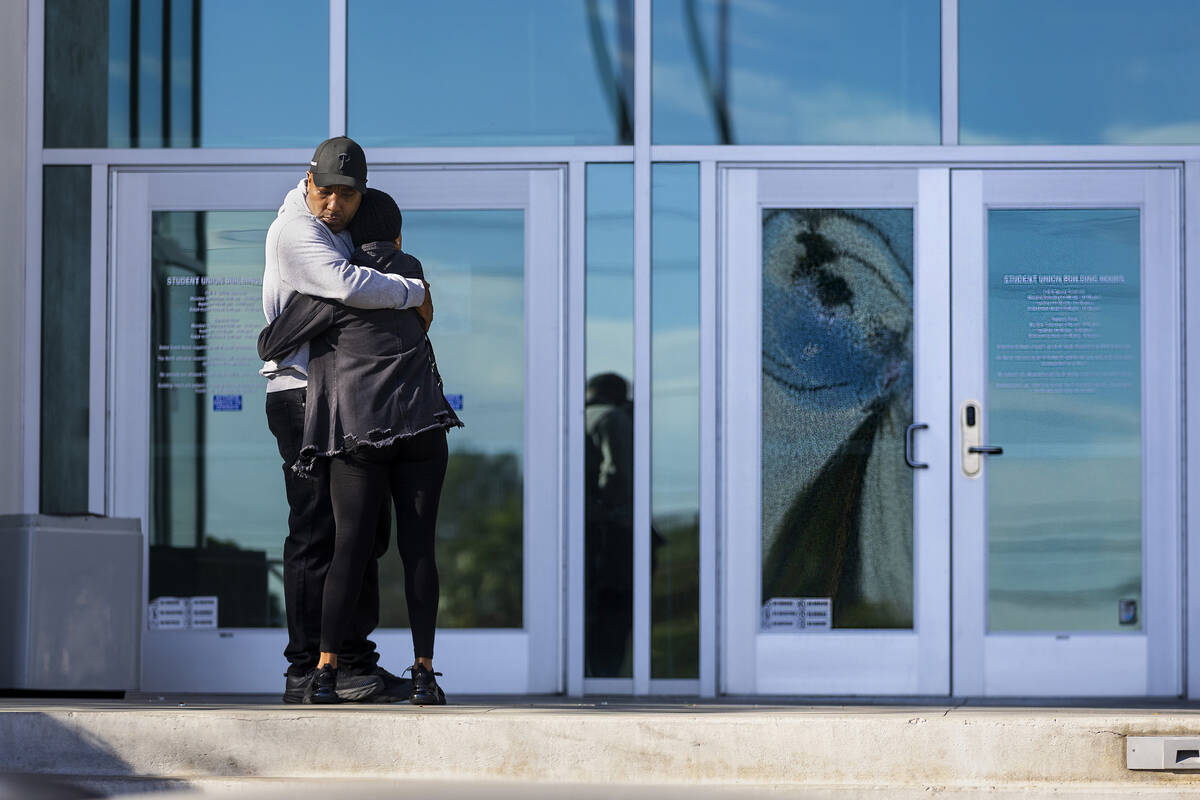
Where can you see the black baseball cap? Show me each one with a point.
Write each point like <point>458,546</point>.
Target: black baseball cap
<point>339,162</point>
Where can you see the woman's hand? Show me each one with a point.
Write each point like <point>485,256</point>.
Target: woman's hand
<point>425,310</point>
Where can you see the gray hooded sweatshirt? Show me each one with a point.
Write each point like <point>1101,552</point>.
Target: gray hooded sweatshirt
<point>304,256</point>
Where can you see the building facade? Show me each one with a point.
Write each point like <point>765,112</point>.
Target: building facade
<point>823,348</point>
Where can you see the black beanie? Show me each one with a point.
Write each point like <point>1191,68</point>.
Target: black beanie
<point>378,219</point>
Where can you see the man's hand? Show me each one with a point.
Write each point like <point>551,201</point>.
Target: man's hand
<point>425,310</point>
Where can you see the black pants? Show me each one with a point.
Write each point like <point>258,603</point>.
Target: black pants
<point>411,471</point>
<point>308,552</point>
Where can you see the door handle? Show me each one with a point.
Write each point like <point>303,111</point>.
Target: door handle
<point>908,445</point>
<point>970,422</point>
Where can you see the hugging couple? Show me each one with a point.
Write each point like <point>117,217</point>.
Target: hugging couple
<point>355,403</point>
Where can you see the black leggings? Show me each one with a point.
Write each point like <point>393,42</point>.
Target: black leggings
<point>412,471</point>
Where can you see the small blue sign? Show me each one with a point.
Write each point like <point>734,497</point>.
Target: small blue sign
<point>227,402</point>
<point>455,401</point>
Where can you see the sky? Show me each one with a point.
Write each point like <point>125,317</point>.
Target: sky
<point>819,72</point>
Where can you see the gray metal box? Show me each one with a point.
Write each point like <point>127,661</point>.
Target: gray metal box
<point>70,603</point>
<point>1162,752</point>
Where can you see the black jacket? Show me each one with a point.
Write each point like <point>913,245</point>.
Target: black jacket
<point>372,378</point>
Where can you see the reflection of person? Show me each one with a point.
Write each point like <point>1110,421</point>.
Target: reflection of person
<point>377,417</point>
<point>608,547</point>
<point>307,252</point>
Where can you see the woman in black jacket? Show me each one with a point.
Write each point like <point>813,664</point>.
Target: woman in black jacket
<point>376,413</point>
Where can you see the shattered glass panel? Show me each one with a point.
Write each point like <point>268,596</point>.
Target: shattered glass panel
<point>837,395</point>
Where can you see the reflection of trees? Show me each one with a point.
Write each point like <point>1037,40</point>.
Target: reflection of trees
<point>479,547</point>
<point>714,77</point>
<point>173,419</point>
<point>675,597</point>
<point>616,82</point>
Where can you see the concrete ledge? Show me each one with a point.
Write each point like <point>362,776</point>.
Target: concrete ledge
<point>563,741</point>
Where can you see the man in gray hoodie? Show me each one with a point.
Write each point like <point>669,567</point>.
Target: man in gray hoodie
<point>308,252</point>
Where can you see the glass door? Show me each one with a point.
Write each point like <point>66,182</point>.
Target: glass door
<point>835,457</point>
<point>1066,419</point>
<point>191,455</point>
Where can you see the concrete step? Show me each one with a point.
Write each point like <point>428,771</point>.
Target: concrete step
<point>365,789</point>
<point>556,740</point>
<point>403,789</point>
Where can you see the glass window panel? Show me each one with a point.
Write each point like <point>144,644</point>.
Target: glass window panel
<point>782,72</point>
<point>608,460</point>
<point>1064,401</point>
<point>217,506</point>
<point>475,264</point>
<point>837,396</point>
<point>144,73</point>
<point>66,338</point>
<point>1067,72</point>
<point>76,74</point>
<point>477,72</point>
<point>675,422</point>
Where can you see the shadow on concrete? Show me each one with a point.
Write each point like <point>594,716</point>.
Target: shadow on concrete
<point>43,759</point>
<point>41,787</point>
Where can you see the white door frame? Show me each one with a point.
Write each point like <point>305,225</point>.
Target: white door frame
<point>840,662</point>
<point>745,654</point>
<point>516,660</point>
<point>1069,663</point>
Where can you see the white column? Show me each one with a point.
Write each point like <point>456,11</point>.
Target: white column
<point>949,71</point>
<point>641,347</point>
<point>1191,301</point>
<point>576,321</point>
<point>337,68</point>
<point>21,37</point>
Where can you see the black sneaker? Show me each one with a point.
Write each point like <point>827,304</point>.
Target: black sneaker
<point>298,688</point>
<point>394,690</point>
<point>324,685</point>
<point>353,688</point>
<point>342,687</point>
<point>426,691</point>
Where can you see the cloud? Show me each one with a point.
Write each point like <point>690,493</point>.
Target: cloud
<point>776,110</point>
<point>773,110</point>
<point>1170,133</point>
<point>974,137</point>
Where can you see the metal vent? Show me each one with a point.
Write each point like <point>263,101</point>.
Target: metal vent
<point>1162,752</point>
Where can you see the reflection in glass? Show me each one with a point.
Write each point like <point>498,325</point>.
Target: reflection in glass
<point>475,264</point>
<point>66,336</point>
<point>608,447</point>
<point>675,422</point>
<point>478,72</point>
<point>837,395</point>
<point>186,73</point>
<point>218,515</point>
<point>1065,72</point>
<point>782,72</point>
<point>1064,401</point>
